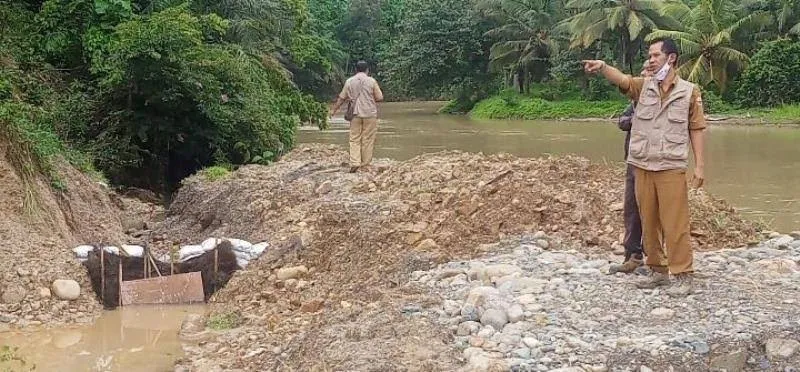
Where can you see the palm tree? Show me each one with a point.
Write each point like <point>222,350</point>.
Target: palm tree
<point>630,20</point>
<point>524,43</point>
<point>786,14</point>
<point>710,38</point>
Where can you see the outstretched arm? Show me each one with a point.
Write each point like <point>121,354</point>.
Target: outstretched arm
<point>613,75</point>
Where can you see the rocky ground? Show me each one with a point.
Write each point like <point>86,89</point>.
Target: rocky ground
<point>536,309</point>
<point>344,288</point>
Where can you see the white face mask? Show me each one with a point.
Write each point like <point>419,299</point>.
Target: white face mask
<point>662,73</point>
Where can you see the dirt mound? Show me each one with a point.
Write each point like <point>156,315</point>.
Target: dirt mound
<point>39,226</point>
<point>361,234</point>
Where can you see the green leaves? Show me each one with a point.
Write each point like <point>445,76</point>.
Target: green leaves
<point>771,77</point>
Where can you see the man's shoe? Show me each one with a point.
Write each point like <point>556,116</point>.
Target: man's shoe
<point>353,169</point>
<point>628,266</point>
<point>655,280</point>
<point>683,285</point>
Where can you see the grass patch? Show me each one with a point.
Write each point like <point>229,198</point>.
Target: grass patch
<point>215,173</point>
<point>508,106</point>
<point>220,322</point>
<point>785,112</point>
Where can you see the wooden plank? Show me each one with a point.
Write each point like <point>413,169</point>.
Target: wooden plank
<point>172,289</point>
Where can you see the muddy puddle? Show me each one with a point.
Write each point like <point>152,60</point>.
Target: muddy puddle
<point>134,338</point>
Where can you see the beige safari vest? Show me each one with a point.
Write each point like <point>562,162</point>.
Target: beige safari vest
<point>660,129</point>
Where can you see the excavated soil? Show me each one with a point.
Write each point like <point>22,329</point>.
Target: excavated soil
<point>359,237</point>
<point>37,239</point>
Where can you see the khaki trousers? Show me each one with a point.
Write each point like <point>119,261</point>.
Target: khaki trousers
<point>362,140</point>
<point>663,199</point>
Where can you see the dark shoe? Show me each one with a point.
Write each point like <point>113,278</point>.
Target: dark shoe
<point>628,266</point>
<point>683,285</point>
<point>655,280</point>
<point>353,169</point>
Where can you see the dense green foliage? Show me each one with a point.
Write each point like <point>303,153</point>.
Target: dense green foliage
<point>515,106</point>
<point>156,90</point>
<point>776,67</point>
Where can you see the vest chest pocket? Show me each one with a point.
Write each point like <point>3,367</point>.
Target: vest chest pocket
<point>675,146</point>
<point>678,112</point>
<point>648,105</point>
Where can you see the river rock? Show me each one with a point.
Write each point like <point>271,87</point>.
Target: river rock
<point>494,317</point>
<point>468,328</point>
<point>501,270</point>
<point>44,292</point>
<point>663,313</point>
<point>13,294</point>
<point>729,362</point>
<point>479,295</point>
<point>427,245</point>
<point>66,289</point>
<point>324,188</point>
<point>295,272</point>
<point>469,312</point>
<point>515,313</point>
<point>781,348</point>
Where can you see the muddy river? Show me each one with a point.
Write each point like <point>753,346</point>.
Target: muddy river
<point>130,339</point>
<point>757,169</point>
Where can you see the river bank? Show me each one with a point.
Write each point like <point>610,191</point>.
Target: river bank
<point>365,263</point>
<point>518,107</point>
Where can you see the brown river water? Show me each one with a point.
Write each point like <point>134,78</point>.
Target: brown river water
<point>756,169</point>
<point>130,339</point>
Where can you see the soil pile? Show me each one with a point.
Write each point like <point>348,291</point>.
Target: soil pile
<point>359,236</point>
<point>39,225</point>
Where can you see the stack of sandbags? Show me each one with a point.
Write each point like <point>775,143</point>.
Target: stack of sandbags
<point>82,251</point>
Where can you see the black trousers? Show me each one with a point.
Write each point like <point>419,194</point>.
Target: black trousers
<point>633,223</point>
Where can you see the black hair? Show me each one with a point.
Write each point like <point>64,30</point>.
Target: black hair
<point>362,66</point>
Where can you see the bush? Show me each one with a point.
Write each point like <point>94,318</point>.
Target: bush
<point>771,77</point>
<point>195,103</point>
<point>520,107</point>
<point>714,104</point>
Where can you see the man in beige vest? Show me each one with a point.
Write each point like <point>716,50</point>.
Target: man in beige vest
<point>362,92</point>
<point>668,119</point>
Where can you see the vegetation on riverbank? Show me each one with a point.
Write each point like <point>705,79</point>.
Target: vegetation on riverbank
<point>532,108</point>
<point>520,107</point>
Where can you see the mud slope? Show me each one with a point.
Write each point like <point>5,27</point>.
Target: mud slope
<point>37,241</point>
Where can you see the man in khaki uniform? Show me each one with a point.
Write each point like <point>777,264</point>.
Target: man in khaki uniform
<point>362,91</point>
<point>668,118</point>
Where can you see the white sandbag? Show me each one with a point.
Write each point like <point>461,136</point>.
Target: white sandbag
<point>82,251</point>
<point>242,263</point>
<point>190,251</point>
<point>258,249</point>
<point>113,250</point>
<point>240,245</point>
<point>242,255</point>
<point>133,250</point>
<point>210,244</point>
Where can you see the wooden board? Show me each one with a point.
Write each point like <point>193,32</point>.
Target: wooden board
<point>170,289</point>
